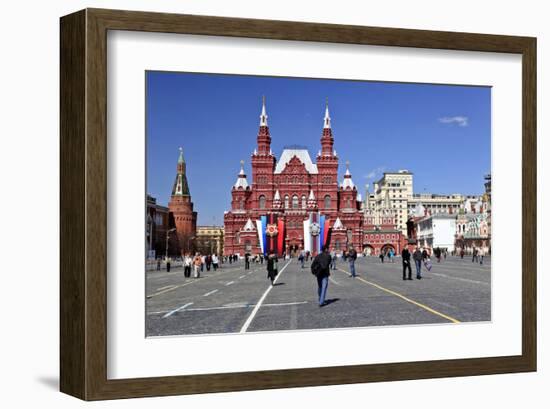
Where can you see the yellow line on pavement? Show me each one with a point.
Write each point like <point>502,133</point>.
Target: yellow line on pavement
<point>406,299</point>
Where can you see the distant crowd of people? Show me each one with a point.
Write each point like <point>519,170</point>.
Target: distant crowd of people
<point>323,262</point>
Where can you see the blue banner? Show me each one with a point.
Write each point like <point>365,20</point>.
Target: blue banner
<point>264,235</point>
<point>322,233</point>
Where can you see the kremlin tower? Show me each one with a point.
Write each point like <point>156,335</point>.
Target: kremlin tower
<point>181,208</point>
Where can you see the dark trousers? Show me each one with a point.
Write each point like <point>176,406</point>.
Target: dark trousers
<point>187,271</point>
<point>167,267</point>
<point>246,264</point>
<point>407,265</point>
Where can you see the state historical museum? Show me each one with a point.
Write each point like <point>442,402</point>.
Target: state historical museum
<point>293,203</point>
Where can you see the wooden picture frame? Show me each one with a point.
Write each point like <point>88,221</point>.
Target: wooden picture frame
<point>83,232</point>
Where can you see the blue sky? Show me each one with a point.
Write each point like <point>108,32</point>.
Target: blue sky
<point>441,133</point>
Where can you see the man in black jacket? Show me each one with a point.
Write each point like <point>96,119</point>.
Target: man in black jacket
<point>320,267</point>
<point>406,259</point>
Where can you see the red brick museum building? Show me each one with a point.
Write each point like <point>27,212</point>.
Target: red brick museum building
<point>294,189</point>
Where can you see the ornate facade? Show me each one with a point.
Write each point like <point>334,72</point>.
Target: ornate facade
<point>293,203</point>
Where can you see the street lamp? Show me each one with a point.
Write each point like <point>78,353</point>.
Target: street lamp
<point>168,238</point>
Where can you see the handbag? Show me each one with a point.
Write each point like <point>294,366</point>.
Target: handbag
<point>428,264</point>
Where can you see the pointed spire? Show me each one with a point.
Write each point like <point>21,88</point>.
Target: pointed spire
<point>277,203</point>
<point>347,178</point>
<point>327,117</point>
<point>249,226</point>
<point>263,116</point>
<point>180,187</point>
<point>263,139</point>
<point>241,179</point>
<point>338,225</point>
<point>311,201</point>
<point>327,141</point>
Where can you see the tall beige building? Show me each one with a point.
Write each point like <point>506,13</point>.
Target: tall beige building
<point>209,239</point>
<point>393,190</point>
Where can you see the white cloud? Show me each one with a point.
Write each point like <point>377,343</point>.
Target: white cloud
<point>459,120</point>
<point>372,174</point>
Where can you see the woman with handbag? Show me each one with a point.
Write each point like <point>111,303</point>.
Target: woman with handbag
<point>272,266</point>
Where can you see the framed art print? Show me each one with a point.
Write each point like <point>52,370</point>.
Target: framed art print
<point>252,204</point>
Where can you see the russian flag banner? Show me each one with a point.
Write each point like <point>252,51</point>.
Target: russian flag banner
<point>260,235</point>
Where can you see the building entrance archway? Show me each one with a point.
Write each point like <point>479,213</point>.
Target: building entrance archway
<point>386,248</point>
<point>368,250</point>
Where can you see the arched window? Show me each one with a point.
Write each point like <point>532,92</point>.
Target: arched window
<point>286,202</point>
<point>242,204</point>
<point>304,202</point>
<point>295,204</point>
<point>262,202</point>
<point>337,245</point>
<point>327,202</point>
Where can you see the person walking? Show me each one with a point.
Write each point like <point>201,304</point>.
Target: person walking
<point>197,263</point>
<point>381,256</point>
<point>474,255</point>
<point>208,261</point>
<point>425,254</point>
<point>203,261</point>
<point>272,269</point>
<point>320,268</point>
<point>417,257</point>
<point>481,255</point>
<point>302,258</point>
<point>247,261</point>
<point>187,262</point>
<point>437,253</point>
<point>426,260</point>
<point>352,256</point>
<point>391,255</point>
<point>406,260</point>
<point>333,260</point>
<point>462,253</point>
<point>168,260</point>
<point>215,261</point>
<point>158,264</point>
